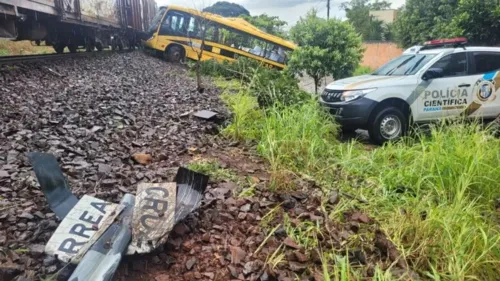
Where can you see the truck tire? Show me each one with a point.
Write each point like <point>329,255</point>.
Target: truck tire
<point>175,54</point>
<point>389,124</point>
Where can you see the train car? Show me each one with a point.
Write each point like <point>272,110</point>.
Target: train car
<point>89,24</point>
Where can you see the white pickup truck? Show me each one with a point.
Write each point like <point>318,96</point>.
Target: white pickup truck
<point>443,78</point>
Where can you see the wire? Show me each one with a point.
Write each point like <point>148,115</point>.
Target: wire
<point>319,3</point>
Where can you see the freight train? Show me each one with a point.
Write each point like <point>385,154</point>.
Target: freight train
<point>77,24</point>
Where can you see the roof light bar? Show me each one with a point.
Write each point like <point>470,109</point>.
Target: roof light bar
<point>458,40</point>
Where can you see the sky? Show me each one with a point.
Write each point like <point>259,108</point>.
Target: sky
<point>287,10</point>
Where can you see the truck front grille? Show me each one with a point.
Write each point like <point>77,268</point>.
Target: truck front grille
<point>332,95</point>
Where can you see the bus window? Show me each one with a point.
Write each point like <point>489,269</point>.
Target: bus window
<point>174,24</point>
<point>192,28</point>
<point>212,33</point>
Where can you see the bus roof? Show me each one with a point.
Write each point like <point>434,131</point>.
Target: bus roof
<point>238,23</point>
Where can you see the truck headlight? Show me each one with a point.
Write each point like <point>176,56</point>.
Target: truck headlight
<point>356,94</point>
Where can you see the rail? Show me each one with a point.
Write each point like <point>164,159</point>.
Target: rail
<point>42,57</point>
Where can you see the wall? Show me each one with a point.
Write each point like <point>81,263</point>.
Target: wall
<point>378,53</point>
<point>387,16</point>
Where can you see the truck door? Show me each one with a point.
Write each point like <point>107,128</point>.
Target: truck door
<point>449,93</point>
<point>485,100</point>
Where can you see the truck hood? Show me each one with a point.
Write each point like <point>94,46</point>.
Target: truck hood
<point>366,82</point>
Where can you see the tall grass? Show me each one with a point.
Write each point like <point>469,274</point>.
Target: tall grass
<point>434,196</point>
<point>299,137</point>
<point>246,117</point>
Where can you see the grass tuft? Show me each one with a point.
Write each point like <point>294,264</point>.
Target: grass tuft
<point>212,169</point>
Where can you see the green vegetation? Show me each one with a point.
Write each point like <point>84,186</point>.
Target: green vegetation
<point>434,195</point>
<point>421,20</point>
<point>312,61</point>
<point>478,20</point>
<point>227,9</point>
<point>362,70</point>
<point>326,47</point>
<point>269,24</point>
<point>269,86</point>
<point>212,169</point>
<point>14,48</point>
<point>370,28</point>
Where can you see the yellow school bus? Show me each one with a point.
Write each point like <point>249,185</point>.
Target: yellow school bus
<point>177,33</point>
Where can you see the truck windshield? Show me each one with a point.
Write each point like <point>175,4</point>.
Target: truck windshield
<point>404,65</point>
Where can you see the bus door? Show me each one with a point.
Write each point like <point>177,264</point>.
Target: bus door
<point>176,26</point>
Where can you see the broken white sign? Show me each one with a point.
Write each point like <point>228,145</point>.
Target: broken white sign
<point>80,227</point>
<point>153,218</point>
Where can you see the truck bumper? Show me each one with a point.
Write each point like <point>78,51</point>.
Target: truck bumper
<point>353,114</point>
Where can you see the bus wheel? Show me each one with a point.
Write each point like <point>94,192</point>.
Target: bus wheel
<point>175,54</point>
<point>389,124</point>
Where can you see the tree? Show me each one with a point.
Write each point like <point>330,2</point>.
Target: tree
<point>227,9</point>
<point>422,20</point>
<point>333,47</point>
<point>311,60</point>
<point>197,34</point>
<point>478,21</point>
<point>269,24</point>
<point>370,28</point>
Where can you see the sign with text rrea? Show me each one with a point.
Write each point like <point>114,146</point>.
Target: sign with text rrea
<point>80,227</point>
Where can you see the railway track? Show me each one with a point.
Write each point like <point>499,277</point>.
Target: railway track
<point>43,57</point>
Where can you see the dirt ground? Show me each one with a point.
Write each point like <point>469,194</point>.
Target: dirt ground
<point>94,113</point>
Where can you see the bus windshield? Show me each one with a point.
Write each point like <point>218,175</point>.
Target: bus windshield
<point>156,20</point>
<point>404,65</point>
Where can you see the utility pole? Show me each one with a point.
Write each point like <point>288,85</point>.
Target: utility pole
<point>327,9</point>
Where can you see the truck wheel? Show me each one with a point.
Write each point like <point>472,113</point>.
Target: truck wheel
<point>175,54</point>
<point>389,124</point>
<point>59,48</point>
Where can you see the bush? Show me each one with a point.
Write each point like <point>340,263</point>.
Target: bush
<point>269,86</point>
<point>362,70</point>
<point>239,69</point>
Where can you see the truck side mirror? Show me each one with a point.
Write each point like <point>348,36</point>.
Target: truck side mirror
<point>432,73</point>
